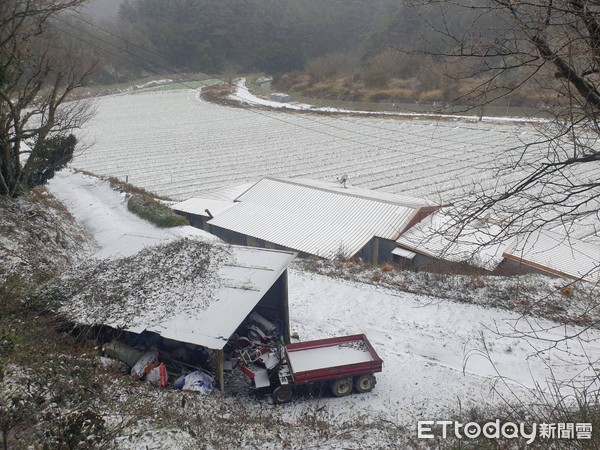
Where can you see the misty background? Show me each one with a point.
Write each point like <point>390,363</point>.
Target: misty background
<point>352,50</point>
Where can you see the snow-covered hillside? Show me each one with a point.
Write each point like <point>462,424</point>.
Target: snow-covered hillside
<point>436,352</point>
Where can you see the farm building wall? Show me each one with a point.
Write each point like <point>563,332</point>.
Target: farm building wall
<point>235,238</point>
<point>195,220</point>
<point>377,251</point>
<point>419,260</point>
<point>229,236</point>
<point>432,264</point>
<point>512,267</point>
<point>274,306</point>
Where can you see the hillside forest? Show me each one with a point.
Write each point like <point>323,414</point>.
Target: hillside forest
<point>376,50</point>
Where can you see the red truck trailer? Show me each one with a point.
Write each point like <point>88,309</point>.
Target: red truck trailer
<point>344,363</point>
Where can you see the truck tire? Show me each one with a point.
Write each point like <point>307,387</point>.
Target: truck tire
<point>282,394</point>
<point>364,383</point>
<point>341,387</point>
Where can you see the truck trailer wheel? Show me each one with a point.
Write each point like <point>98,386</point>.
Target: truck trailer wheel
<point>364,383</point>
<point>341,387</point>
<point>282,394</point>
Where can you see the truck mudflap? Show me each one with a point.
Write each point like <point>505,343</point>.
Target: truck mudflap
<point>258,375</point>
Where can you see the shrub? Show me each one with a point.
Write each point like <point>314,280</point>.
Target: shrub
<point>390,61</point>
<point>433,95</point>
<point>160,215</point>
<point>375,78</point>
<point>387,267</point>
<point>74,430</point>
<point>331,65</point>
<point>567,291</point>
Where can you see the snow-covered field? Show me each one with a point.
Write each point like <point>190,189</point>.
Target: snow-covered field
<point>175,144</point>
<point>433,349</point>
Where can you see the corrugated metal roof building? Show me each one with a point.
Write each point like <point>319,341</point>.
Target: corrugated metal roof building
<point>199,210</point>
<point>319,218</point>
<point>428,243</point>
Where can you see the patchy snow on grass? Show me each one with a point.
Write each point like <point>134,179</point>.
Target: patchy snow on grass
<point>153,83</point>
<point>38,236</point>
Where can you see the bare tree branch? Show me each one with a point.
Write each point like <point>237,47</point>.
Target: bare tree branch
<point>39,71</point>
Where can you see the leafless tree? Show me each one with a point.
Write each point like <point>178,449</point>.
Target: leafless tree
<point>40,68</point>
<point>230,72</point>
<point>551,47</point>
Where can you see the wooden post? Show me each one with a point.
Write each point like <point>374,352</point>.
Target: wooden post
<point>285,307</point>
<point>220,371</point>
<point>375,250</point>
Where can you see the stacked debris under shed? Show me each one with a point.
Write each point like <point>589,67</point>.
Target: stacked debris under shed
<point>255,349</point>
<point>163,364</point>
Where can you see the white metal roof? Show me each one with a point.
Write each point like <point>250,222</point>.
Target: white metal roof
<point>558,254</point>
<point>199,206</point>
<point>317,218</point>
<point>403,253</point>
<point>474,246</point>
<point>203,312</point>
<point>380,196</point>
<point>545,250</point>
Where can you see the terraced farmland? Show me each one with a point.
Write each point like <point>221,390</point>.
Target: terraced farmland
<point>175,144</point>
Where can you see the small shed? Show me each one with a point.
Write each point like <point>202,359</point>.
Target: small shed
<point>199,210</point>
<point>319,218</point>
<point>186,291</point>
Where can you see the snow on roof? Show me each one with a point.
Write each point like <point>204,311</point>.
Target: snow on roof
<point>187,290</point>
<point>380,196</point>
<point>199,206</point>
<point>545,250</point>
<point>227,193</point>
<point>317,218</point>
<point>403,253</point>
<point>558,254</point>
<point>474,245</point>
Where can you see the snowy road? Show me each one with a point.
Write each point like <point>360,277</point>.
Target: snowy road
<point>103,212</point>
